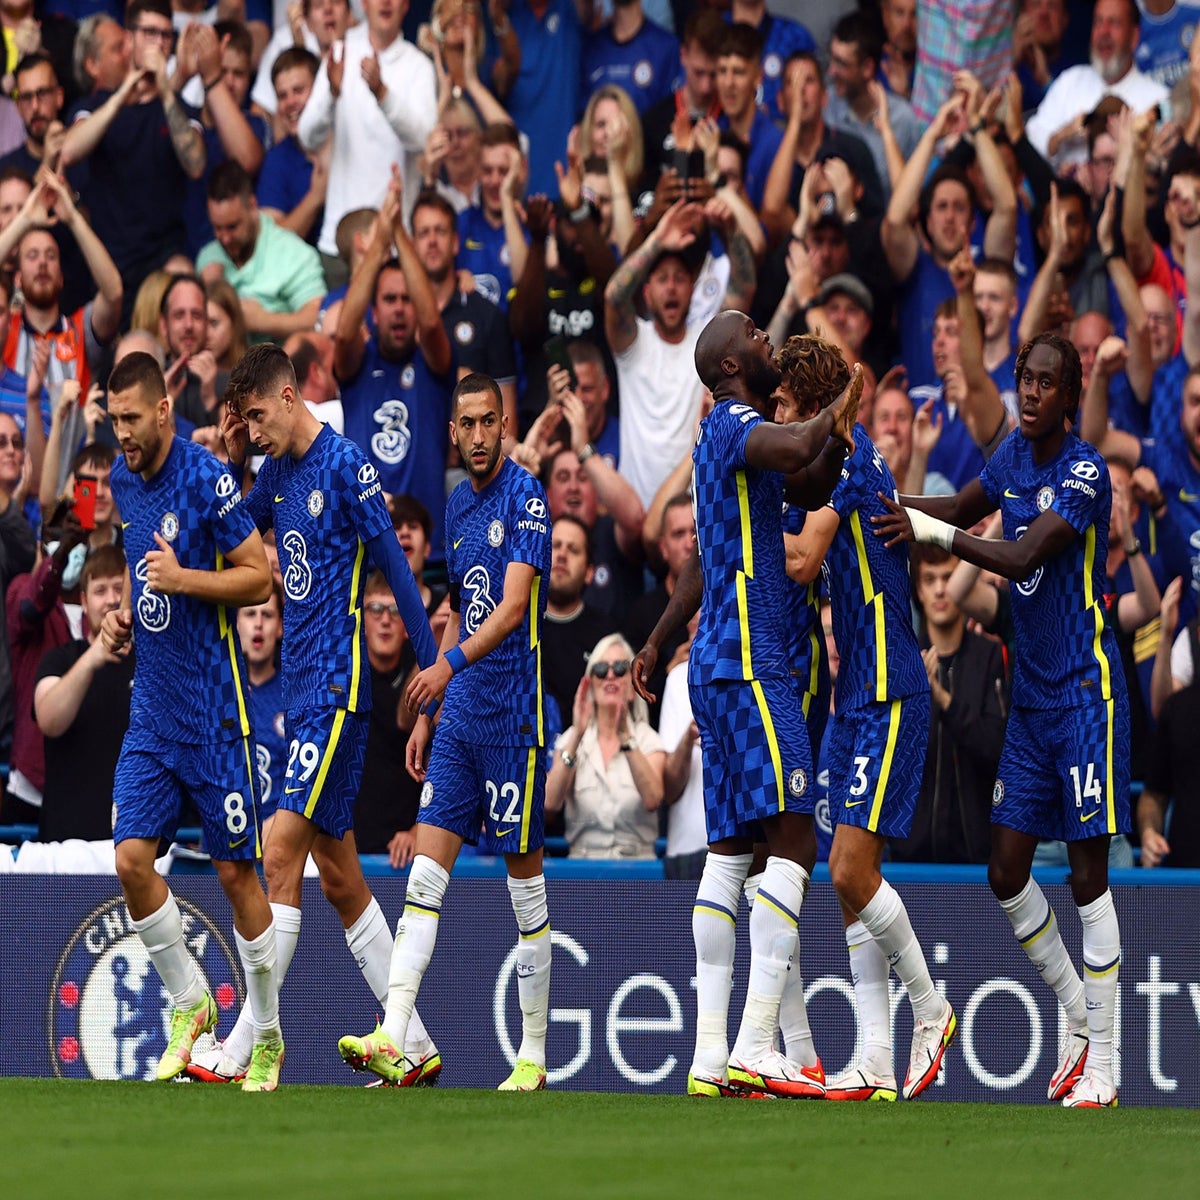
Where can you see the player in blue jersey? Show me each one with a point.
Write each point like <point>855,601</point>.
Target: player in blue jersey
<point>877,740</point>
<point>193,554</point>
<point>260,628</point>
<point>322,497</point>
<point>758,766</point>
<point>1064,772</point>
<point>487,765</point>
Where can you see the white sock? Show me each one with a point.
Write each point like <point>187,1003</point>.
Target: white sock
<point>886,920</point>
<point>239,1045</point>
<point>262,992</point>
<point>1101,959</point>
<point>793,1012</point>
<point>1034,924</point>
<point>533,964</point>
<point>773,921</point>
<point>415,937</point>
<point>869,973</point>
<point>162,935</point>
<point>714,928</point>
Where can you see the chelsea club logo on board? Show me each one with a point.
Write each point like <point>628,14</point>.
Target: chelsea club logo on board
<point>110,1015</point>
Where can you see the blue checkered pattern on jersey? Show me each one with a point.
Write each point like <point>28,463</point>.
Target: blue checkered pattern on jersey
<point>189,682</point>
<point>744,628</point>
<point>807,654</point>
<point>755,750</point>
<point>325,507</point>
<point>499,700</point>
<point>1064,652</point>
<point>870,589</point>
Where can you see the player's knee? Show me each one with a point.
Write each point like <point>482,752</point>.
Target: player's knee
<point>1004,878</point>
<point>1089,880</point>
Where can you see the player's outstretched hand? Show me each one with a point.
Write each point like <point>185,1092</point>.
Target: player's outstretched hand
<point>643,667</point>
<point>895,525</point>
<point>417,750</point>
<point>845,409</point>
<point>429,685</point>
<point>116,629</point>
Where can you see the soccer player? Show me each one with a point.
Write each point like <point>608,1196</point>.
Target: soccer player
<point>1064,771</point>
<point>323,499</point>
<point>487,765</point>
<point>193,553</point>
<point>877,743</point>
<point>758,766</point>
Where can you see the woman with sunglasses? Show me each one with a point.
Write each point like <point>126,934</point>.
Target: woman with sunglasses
<point>608,766</point>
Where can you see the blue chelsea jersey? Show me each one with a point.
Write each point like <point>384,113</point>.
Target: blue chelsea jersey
<point>870,590</point>
<point>1065,650</point>
<point>189,684</point>
<point>744,628</point>
<point>499,700</point>
<point>325,507</point>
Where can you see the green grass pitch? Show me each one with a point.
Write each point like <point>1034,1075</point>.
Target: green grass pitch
<point>135,1140</point>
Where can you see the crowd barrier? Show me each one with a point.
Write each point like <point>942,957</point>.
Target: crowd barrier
<point>81,1000</point>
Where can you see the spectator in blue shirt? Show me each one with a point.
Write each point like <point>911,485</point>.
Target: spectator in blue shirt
<point>633,53</point>
<point>739,74</point>
<point>492,239</point>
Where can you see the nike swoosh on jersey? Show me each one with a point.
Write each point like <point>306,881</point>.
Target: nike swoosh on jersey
<point>291,791</point>
<point>1012,495</point>
<point>1088,816</point>
<point>1187,497</point>
<point>854,803</point>
<point>505,832</point>
<point>278,499</point>
<point>459,542</point>
<point>126,524</point>
<point>239,842</point>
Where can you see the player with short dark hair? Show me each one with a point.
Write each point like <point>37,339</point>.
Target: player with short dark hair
<point>878,736</point>
<point>757,761</point>
<point>323,499</point>
<point>487,765</point>
<point>1064,772</point>
<point>189,733</point>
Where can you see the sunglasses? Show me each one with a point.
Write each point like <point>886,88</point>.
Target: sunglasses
<point>619,669</point>
<point>377,608</point>
<point>17,443</point>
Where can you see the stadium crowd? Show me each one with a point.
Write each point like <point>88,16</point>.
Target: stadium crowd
<point>560,194</point>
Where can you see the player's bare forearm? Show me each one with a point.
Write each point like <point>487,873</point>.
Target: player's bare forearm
<point>506,616</point>
<point>684,602</point>
<point>185,139</point>
<point>812,487</point>
<point>233,586</point>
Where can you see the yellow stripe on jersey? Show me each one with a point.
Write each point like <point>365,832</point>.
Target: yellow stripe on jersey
<point>885,768</point>
<point>744,626</point>
<point>535,645</point>
<point>252,776</point>
<point>873,599</point>
<point>1145,640</point>
<point>335,735</point>
<point>228,634</point>
<point>1110,800</point>
<point>772,740</point>
<point>747,572</point>
<point>356,612</point>
<point>814,647</point>
<point>527,806</point>
<point>743,493</point>
<point>1092,605</point>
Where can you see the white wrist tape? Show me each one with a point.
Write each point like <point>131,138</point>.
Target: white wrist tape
<point>930,529</point>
